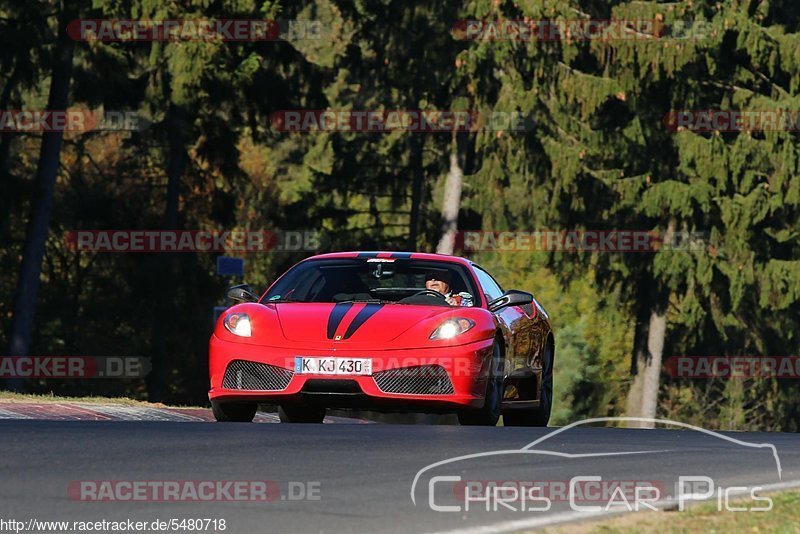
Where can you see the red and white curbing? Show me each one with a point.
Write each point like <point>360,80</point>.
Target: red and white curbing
<point>82,411</point>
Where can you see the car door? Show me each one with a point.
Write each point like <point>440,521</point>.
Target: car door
<point>517,323</point>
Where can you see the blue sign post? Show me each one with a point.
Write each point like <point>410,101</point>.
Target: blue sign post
<point>227,266</point>
<point>230,266</point>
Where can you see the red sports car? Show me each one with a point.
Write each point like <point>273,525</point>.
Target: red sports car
<point>385,331</point>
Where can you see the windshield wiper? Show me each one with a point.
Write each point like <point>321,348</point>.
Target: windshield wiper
<point>374,301</point>
<point>353,301</point>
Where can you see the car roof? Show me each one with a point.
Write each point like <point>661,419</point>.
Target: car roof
<point>424,256</point>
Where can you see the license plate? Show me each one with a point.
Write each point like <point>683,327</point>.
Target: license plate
<point>332,366</point>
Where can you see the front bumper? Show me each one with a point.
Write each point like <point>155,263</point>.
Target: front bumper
<point>466,366</point>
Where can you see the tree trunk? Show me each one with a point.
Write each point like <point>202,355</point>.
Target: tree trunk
<point>6,137</point>
<point>652,372</point>
<point>165,265</point>
<point>417,183</point>
<point>176,166</point>
<point>42,206</point>
<point>638,365</point>
<point>9,189</point>
<point>642,398</point>
<point>451,204</point>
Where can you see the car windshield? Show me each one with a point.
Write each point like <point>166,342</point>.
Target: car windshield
<point>369,280</point>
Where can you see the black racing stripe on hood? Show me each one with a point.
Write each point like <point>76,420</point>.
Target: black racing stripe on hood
<point>401,255</point>
<point>366,312</point>
<point>336,316</point>
<point>367,255</point>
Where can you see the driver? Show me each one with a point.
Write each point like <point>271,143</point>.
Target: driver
<point>439,281</point>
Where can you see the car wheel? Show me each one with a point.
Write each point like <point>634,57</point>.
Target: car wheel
<point>537,416</point>
<point>489,414</point>
<point>234,412</point>
<point>301,414</point>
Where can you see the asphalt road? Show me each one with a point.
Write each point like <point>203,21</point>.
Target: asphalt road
<point>363,474</point>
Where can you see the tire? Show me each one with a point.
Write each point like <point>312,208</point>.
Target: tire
<point>536,416</point>
<point>489,414</point>
<point>301,414</point>
<point>234,412</point>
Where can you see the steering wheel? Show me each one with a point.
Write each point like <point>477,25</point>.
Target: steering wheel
<point>429,293</point>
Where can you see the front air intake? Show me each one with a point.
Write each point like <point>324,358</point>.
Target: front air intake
<point>420,380</point>
<point>243,374</point>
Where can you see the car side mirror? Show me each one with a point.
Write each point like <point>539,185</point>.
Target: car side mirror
<point>241,293</point>
<point>512,297</point>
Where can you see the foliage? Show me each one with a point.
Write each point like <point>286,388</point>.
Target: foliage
<point>597,157</point>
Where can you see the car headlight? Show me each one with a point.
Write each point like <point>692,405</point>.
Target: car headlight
<point>238,324</point>
<point>452,328</point>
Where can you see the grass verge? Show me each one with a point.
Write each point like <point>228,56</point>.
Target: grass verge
<point>784,517</point>
<point>8,396</point>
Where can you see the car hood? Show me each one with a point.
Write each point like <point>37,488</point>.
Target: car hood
<point>351,323</point>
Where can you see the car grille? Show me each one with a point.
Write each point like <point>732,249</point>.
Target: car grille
<point>242,374</point>
<point>421,380</point>
<point>324,385</point>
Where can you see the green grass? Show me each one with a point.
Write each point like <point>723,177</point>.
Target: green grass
<point>784,517</point>
<point>7,396</point>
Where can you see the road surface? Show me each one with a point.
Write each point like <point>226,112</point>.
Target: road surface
<point>359,477</point>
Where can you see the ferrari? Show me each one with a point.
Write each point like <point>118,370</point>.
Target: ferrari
<point>384,331</point>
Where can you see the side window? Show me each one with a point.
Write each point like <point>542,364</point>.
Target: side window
<point>491,289</point>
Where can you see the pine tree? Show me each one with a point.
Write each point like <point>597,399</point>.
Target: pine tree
<point>601,158</point>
